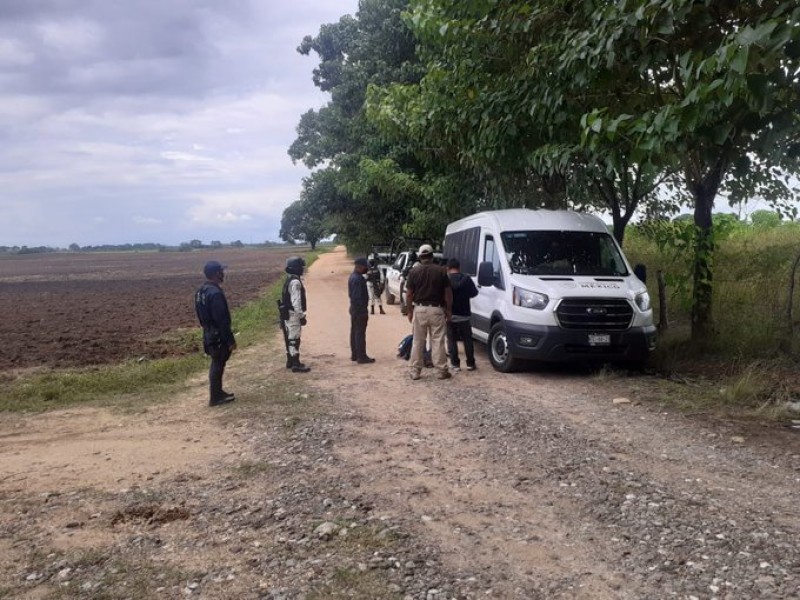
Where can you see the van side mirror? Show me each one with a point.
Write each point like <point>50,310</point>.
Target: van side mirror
<point>486,274</point>
<point>641,272</point>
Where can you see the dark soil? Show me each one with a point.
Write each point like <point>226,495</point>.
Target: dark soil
<point>80,309</point>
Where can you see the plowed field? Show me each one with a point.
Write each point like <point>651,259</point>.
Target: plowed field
<point>78,309</point>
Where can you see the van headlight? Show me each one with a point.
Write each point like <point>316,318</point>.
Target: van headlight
<point>528,299</point>
<point>643,301</point>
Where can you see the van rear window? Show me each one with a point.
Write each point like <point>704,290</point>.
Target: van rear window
<point>563,253</point>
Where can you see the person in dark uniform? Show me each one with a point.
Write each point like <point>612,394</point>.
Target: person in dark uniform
<point>215,318</point>
<point>429,302</point>
<point>459,325</point>
<point>293,312</point>
<point>359,315</point>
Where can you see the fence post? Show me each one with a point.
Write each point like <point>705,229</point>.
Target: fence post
<point>789,302</point>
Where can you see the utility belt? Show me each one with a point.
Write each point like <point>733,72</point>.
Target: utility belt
<point>212,337</point>
<point>433,304</point>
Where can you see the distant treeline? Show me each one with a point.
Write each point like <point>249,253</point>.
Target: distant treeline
<point>142,247</point>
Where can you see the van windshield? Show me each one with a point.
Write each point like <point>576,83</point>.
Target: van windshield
<point>563,253</point>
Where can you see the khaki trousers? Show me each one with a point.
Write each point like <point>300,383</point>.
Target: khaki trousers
<point>428,320</point>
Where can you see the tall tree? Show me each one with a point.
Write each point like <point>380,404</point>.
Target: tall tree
<point>614,96</point>
<point>374,175</point>
<point>721,88</point>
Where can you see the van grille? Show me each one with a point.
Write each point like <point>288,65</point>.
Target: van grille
<point>595,314</point>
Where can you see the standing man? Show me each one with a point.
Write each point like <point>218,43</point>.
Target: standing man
<point>375,286</point>
<point>459,324</point>
<point>429,302</point>
<point>359,300</point>
<point>215,318</point>
<point>293,312</point>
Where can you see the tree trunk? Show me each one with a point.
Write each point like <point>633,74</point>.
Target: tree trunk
<point>313,244</point>
<point>620,223</point>
<point>703,292</point>
<point>663,314</point>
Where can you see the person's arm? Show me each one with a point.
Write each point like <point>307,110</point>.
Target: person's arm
<point>296,298</point>
<point>473,291</point>
<point>448,303</point>
<point>222,318</point>
<point>410,304</point>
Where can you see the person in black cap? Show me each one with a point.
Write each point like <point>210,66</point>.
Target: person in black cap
<point>215,318</point>
<point>359,314</point>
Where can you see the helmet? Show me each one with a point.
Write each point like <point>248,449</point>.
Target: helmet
<point>294,265</point>
<point>211,268</point>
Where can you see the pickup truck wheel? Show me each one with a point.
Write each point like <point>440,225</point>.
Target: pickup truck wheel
<point>389,296</point>
<point>499,351</point>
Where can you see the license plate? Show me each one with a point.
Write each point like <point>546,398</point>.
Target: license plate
<point>599,339</point>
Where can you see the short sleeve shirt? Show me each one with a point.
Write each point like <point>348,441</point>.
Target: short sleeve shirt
<point>428,282</point>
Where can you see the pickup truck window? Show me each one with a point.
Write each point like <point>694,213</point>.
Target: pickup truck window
<point>563,253</point>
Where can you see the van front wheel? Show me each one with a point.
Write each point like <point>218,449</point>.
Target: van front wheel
<point>499,351</point>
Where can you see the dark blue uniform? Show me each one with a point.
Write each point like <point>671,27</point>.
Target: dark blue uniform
<point>215,318</point>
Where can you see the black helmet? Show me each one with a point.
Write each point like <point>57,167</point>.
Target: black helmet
<point>294,265</point>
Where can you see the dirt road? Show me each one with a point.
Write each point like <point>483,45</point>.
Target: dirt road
<point>353,481</point>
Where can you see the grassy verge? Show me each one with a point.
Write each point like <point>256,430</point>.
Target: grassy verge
<point>136,381</point>
<point>748,367</point>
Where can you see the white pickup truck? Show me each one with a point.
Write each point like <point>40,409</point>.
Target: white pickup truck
<point>396,277</point>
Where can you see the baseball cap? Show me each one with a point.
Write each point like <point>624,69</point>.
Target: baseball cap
<point>425,249</point>
<point>213,267</point>
<point>361,262</point>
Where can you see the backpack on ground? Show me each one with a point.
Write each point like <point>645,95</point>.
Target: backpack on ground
<point>404,348</point>
<point>404,351</point>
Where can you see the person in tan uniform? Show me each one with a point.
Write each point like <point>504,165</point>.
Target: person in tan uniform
<point>429,302</point>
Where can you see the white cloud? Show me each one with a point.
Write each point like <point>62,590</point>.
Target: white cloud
<point>75,37</point>
<point>183,156</point>
<point>14,53</point>
<point>139,220</point>
<point>121,119</point>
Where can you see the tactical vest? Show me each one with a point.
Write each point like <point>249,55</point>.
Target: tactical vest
<point>286,297</point>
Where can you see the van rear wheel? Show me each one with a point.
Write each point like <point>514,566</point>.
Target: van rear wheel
<point>499,350</point>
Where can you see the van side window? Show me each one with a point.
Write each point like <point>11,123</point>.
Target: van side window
<point>465,246</point>
<point>491,255</point>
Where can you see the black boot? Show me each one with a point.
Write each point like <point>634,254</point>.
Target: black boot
<point>380,306</point>
<point>288,361</point>
<point>373,309</point>
<point>221,398</point>
<point>297,366</point>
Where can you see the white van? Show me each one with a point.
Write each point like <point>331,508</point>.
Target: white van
<point>552,286</point>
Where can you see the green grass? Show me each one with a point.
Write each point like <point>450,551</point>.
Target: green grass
<point>137,382</point>
<point>751,278</point>
<point>748,366</point>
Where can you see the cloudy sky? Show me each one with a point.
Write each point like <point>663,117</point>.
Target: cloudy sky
<point>152,120</point>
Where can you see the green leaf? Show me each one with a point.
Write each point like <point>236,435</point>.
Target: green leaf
<point>739,62</point>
